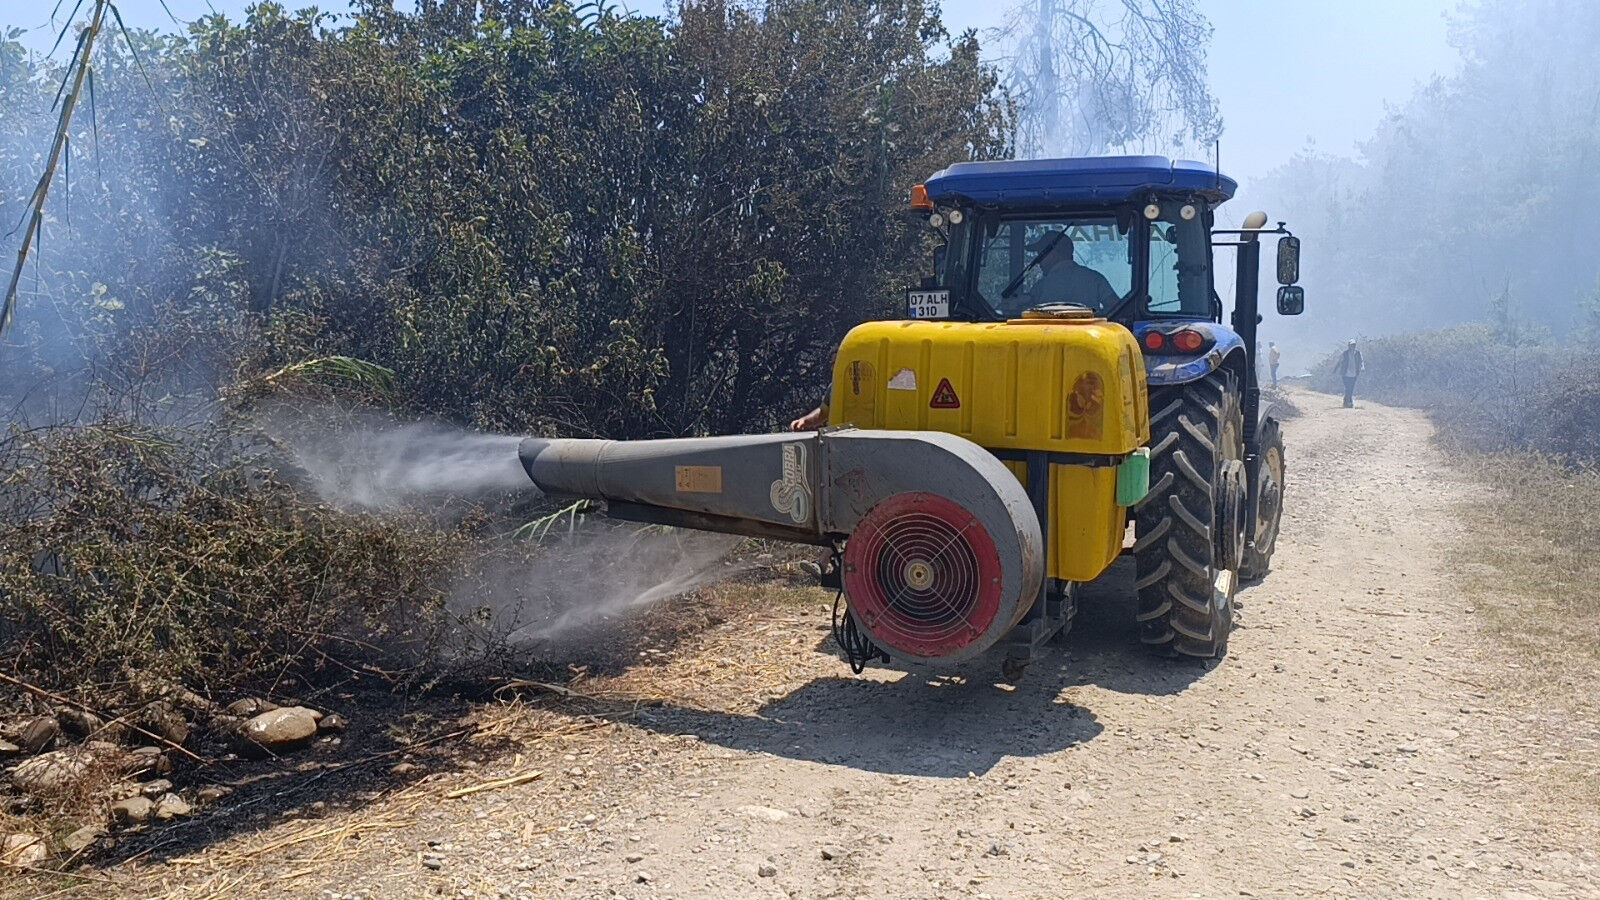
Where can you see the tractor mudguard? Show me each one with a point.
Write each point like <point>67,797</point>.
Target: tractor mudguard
<point>1168,369</point>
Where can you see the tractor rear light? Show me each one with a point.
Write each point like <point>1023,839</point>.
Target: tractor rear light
<point>919,197</point>
<point>1154,341</point>
<point>1188,341</point>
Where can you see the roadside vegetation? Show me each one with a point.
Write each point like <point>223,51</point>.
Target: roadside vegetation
<point>1519,413</point>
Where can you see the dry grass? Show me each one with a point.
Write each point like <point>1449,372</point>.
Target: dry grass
<point>728,648</point>
<point>1537,528</point>
<point>1531,563</point>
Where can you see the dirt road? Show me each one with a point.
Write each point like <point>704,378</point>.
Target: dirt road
<point>1353,743</point>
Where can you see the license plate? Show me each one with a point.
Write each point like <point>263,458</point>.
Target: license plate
<point>927,304</point>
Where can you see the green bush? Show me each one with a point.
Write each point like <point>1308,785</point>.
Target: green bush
<point>538,216</point>
<point>541,218</point>
<point>129,553</point>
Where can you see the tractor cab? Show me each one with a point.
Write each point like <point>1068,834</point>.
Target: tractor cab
<point>1128,238</point>
<point>1126,241</point>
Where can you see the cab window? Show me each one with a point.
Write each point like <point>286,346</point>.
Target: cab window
<point>1026,262</point>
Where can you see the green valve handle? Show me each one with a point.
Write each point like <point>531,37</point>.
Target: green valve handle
<point>1133,477</point>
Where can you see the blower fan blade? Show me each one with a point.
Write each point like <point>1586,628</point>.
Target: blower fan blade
<point>923,576</point>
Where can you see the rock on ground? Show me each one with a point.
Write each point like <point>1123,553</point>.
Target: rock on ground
<point>49,773</point>
<point>132,810</point>
<point>282,729</point>
<point>83,838</point>
<point>23,850</point>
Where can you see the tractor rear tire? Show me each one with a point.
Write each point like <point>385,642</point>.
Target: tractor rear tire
<point>1190,523</point>
<point>1269,509</point>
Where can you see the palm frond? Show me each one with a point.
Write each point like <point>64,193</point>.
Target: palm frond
<point>79,71</point>
<point>539,529</point>
<point>343,368</point>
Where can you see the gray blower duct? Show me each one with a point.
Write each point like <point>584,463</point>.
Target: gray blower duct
<point>942,549</point>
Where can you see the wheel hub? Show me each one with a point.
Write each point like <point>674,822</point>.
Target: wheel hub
<point>1230,525</point>
<point>918,575</point>
<point>1269,497</point>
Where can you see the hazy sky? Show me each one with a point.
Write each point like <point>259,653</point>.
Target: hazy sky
<point>1285,71</point>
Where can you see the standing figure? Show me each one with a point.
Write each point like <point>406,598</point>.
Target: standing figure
<point>1272,361</point>
<point>1350,368</point>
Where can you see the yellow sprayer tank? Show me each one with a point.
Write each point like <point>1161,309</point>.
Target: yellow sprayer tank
<point>1070,388</point>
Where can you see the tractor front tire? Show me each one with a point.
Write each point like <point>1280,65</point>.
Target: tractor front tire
<point>1189,526</point>
<point>1269,508</point>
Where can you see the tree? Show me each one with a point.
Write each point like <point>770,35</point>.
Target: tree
<point>1090,76</point>
<point>1484,178</point>
<point>543,217</point>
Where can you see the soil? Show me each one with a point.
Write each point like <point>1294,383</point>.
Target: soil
<point>1355,742</point>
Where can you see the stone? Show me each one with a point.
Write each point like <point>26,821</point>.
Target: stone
<point>170,807</point>
<point>83,838</point>
<point>23,850</point>
<point>38,734</point>
<point>334,724</point>
<point>79,723</point>
<point>635,857</point>
<point>283,729</point>
<point>402,769</point>
<point>9,749</point>
<point>132,811</point>
<point>147,761</point>
<point>50,772</point>
<point>831,853</point>
<point>211,793</point>
<point>642,877</point>
<point>250,706</point>
<point>155,788</point>
<point>767,870</point>
<point>161,719</point>
<point>764,813</point>
<point>433,862</point>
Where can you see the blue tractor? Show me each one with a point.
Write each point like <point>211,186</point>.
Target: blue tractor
<point>1131,240</point>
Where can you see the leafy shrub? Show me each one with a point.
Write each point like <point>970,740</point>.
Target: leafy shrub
<point>541,216</point>
<point>129,553</point>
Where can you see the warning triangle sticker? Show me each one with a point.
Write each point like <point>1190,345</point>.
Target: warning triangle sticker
<point>944,396</point>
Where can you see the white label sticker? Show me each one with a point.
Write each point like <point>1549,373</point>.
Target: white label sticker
<point>790,494</point>
<point>927,304</point>
<point>903,380</point>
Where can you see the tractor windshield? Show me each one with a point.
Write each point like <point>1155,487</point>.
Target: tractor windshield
<point>1023,262</point>
<point>1001,264</point>
<point>1179,260</point>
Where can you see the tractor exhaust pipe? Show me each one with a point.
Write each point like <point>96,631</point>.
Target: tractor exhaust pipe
<point>943,553</point>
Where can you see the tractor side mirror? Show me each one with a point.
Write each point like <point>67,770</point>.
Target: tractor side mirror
<point>1291,300</point>
<point>1288,259</point>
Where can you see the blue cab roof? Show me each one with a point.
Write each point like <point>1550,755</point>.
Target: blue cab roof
<point>1098,179</point>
